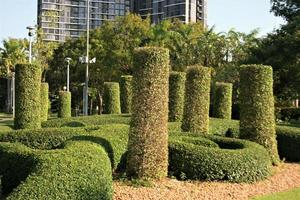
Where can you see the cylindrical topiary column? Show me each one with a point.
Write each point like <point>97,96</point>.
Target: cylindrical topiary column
<point>222,106</point>
<point>44,101</point>
<point>257,116</point>
<point>126,93</point>
<point>197,97</point>
<point>64,110</point>
<point>28,86</point>
<point>148,136</point>
<point>176,96</point>
<point>111,98</point>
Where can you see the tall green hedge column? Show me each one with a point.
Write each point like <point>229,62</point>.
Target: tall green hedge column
<point>176,96</point>
<point>44,101</point>
<point>64,110</point>
<point>28,85</point>
<point>257,118</point>
<point>197,97</point>
<point>222,100</point>
<point>126,93</point>
<point>111,98</point>
<point>148,137</point>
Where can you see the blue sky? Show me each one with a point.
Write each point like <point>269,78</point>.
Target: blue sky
<point>242,15</point>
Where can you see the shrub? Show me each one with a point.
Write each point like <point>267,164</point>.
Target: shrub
<point>148,128</point>
<point>176,96</point>
<point>60,174</point>
<point>111,98</point>
<point>288,114</point>
<point>197,95</point>
<point>222,100</point>
<point>87,121</point>
<point>44,101</point>
<point>227,159</point>
<point>28,83</point>
<point>64,110</point>
<point>126,93</point>
<point>257,116</point>
<point>288,139</point>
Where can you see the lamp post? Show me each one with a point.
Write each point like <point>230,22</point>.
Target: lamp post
<point>68,73</point>
<point>30,34</point>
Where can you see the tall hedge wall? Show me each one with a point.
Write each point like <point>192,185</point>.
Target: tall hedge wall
<point>176,96</point>
<point>257,116</point>
<point>197,97</point>
<point>126,93</point>
<point>44,101</point>
<point>64,110</point>
<point>111,98</point>
<point>222,100</point>
<point>28,86</point>
<point>148,137</point>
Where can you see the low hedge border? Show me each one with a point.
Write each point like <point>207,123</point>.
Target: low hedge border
<point>58,174</point>
<point>288,139</point>
<point>235,160</point>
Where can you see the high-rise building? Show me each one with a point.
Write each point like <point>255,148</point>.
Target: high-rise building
<point>60,19</point>
<point>158,10</point>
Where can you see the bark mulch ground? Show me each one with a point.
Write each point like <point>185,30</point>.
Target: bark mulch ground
<point>286,176</point>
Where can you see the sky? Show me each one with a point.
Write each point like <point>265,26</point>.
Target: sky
<point>242,15</point>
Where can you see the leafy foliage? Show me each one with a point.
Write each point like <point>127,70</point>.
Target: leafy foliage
<point>64,110</point>
<point>44,101</point>
<point>126,93</point>
<point>176,95</point>
<point>149,120</point>
<point>111,98</point>
<point>218,158</point>
<point>257,107</point>
<point>28,86</point>
<point>222,100</point>
<point>197,97</point>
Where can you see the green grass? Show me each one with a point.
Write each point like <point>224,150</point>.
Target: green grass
<point>6,122</point>
<point>288,195</point>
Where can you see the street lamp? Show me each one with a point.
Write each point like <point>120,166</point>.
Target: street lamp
<point>30,34</point>
<point>68,60</point>
<point>85,60</point>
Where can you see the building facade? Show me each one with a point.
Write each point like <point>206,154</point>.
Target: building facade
<point>60,19</point>
<point>184,10</point>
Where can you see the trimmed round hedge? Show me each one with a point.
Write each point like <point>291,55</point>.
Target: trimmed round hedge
<point>197,97</point>
<point>44,101</point>
<point>28,86</point>
<point>64,110</point>
<point>222,100</point>
<point>148,136</point>
<point>218,158</point>
<point>111,98</point>
<point>257,112</point>
<point>176,95</point>
<point>126,93</point>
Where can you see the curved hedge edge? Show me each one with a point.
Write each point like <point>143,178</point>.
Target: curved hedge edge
<point>67,174</point>
<point>64,110</point>
<point>288,139</point>
<point>244,162</point>
<point>222,100</point>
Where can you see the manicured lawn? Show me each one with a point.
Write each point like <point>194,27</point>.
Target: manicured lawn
<point>6,122</point>
<point>288,195</point>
